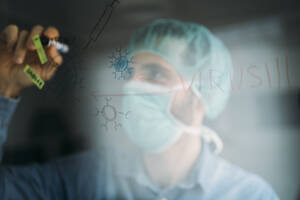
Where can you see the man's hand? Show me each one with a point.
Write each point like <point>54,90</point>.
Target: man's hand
<point>17,50</point>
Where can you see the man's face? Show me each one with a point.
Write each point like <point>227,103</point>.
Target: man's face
<point>186,106</point>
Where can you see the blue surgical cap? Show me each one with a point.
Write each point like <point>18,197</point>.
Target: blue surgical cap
<point>200,57</point>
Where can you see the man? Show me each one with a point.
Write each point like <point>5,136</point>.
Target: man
<point>170,93</point>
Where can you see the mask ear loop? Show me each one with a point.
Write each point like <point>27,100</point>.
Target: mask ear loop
<point>181,125</point>
<point>208,134</point>
<point>211,137</point>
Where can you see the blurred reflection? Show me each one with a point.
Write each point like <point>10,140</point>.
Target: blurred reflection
<point>170,94</point>
<point>180,85</point>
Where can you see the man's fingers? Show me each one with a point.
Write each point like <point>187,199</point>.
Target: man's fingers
<point>54,55</point>
<point>20,50</point>
<point>10,36</point>
<point>51,32</point>
<point>55,58</point>
<point>36,30</point>
<point>54,61</point>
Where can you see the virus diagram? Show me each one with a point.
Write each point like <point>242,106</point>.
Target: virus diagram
<point>110,114</point>
<point>120,62</point>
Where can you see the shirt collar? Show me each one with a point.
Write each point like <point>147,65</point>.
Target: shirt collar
<point>201,173</point>
<point>203,170</point>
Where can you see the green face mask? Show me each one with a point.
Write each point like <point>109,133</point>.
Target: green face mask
<point>150,125</point>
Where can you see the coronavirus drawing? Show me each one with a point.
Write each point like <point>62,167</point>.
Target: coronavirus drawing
<point>110,114</point>
<point>121,63</point>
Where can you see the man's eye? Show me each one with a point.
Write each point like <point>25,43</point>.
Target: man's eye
<point>155,75</point>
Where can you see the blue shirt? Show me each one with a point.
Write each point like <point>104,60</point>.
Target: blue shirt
<point>104,174</point>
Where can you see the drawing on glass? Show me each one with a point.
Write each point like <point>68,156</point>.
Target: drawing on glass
<point>121,64</point>
<point>110,114</point>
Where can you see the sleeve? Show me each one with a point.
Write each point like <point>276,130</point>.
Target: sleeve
<point>75,177</point>
<point>30,182</point>
<point>7,108</point>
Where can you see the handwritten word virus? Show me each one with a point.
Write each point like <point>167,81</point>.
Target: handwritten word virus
<point>121,64</point>
<point>110,114</point>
